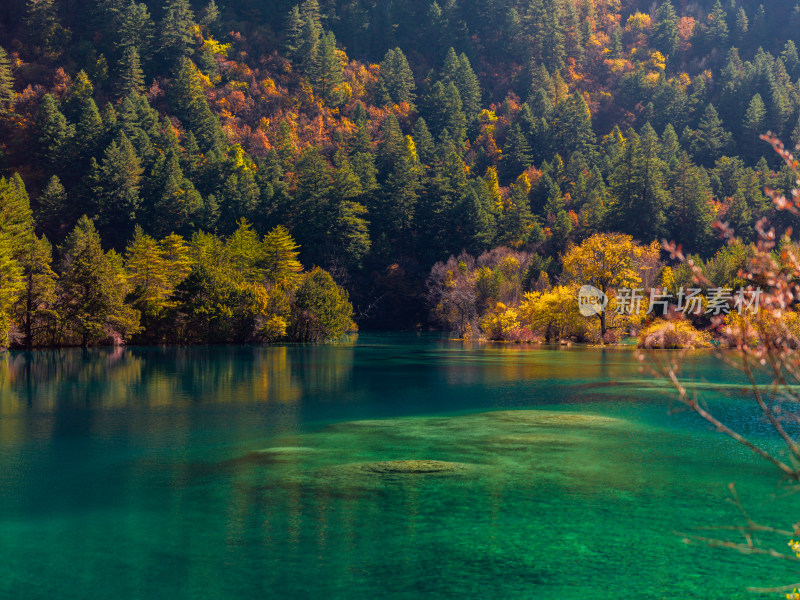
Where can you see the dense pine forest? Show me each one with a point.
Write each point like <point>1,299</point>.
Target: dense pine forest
<point>190,172</point>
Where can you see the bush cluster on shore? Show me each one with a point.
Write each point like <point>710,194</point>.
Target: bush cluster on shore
<point>507,295</point>
<point>677,334</point>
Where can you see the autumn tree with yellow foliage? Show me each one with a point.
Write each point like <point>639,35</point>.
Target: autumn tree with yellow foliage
<point>611,260</point>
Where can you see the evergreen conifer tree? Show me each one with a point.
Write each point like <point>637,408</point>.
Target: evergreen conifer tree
<point>326,71</point>
<point>690,212</point>
<point>742,26</point>
<point>42,25</point>
<point>280,263</point>
<point>639,197</point>
<point>92,288</point>
<point>115,185</point>
<point>665,31</point>
<point>130,79</point>
<point>174,204</point>
<point>7,94</point>
<point>210,16</point>
<point>16,218</point>
<point>135,30</point>
<point>445,112</point>
<point>424,142</point>
<point>717,34</point>
<point>710,141</point>
<point>517,155</point>
<point>397,79</point>
<point>11,285</point>
<point>754,125</point>
<point>35,308</point>
<point>458,71</point>
<point>88,130</point>
<point>53,210</point>
<point>190,105</point>
<point>53,134</point>
<point>175,35</point>
<point>739,217</point>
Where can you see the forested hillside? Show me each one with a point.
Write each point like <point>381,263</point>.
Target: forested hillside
<point>383,136</point>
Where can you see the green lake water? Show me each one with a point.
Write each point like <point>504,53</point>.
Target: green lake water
<point>249,472</point>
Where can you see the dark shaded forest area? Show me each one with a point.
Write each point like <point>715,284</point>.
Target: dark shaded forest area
<point>169,167</point>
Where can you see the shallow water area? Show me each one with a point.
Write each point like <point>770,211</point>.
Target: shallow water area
<point>395,466</point>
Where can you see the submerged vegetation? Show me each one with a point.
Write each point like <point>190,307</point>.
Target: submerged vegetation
<point>764,346</point>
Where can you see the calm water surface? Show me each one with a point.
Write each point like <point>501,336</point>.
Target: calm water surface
<point>245,472</point>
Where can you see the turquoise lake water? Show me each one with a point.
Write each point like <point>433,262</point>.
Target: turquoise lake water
<point>249,472</point>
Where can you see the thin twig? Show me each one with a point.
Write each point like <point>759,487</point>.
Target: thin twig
<point>694,405</point>
<point>766,410</point>
<point>743,548</point>
<point>774,590</point>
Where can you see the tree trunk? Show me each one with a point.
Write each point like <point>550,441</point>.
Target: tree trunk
<point>29,314</point>
<point>602,316</point>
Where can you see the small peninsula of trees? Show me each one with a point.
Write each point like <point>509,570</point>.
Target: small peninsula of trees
<point>208,289</point>
<point>507,295</point>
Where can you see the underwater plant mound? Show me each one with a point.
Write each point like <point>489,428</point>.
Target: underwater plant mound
<point>275,454</point>
<point>536,442</point>
<point>284,450</point>
<point>411,467</point>
<point>547,418</point>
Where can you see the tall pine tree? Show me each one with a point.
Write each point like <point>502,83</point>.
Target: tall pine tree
<point>175,35</point>
<point>7,94</point>
<point>690,214</point>
<point>115,184</point>
<point>130,77</point>
<point>35,310</point>
<point>92,289</point>
<point>326,71</point>
<point>639,196</point>
<point>665,30</point>
<point>397,79</point>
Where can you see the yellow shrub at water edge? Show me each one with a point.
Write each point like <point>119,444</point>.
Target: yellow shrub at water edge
<point>765,326</point>
<point>673,335</point>
<point>499,322</point>
<point>554,314</point>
